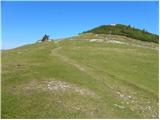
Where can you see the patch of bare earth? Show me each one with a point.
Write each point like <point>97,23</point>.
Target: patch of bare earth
<point>137,102</point>
<point>56,86</point>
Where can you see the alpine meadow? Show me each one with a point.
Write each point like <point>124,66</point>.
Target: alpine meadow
<point>109,71</point>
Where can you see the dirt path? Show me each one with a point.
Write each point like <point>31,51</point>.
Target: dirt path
<point>69,61</point>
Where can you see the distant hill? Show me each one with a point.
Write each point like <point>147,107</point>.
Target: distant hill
<point>119,29</point>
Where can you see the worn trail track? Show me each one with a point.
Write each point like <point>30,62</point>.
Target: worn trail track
<point>129,100</point>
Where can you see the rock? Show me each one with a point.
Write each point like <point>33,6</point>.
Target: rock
<point>114,41</point>
<point>119,106</point>
<point>149,108</point>
<point>121,95</point>
<point>129,97</point>
<point>93,40</point>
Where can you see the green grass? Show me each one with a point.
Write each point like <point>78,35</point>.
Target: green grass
<point>118,75</point>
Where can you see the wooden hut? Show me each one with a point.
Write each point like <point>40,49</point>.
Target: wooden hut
<point>45,38</point>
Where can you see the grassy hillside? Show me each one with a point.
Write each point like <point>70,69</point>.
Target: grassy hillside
<point>86,76</point>
<point>124,30</point>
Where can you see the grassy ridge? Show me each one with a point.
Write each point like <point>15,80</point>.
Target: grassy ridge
<point>124,30</point>
<point>124,80</point>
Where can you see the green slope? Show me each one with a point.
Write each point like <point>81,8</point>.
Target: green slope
<point>86,76</point>
<point>119,29</point>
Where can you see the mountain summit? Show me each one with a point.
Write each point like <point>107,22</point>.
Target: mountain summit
<point>124,30</point>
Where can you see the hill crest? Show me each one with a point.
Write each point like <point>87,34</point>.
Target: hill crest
<point>124,30</point>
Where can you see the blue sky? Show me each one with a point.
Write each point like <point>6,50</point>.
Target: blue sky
<point>25,22</point>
